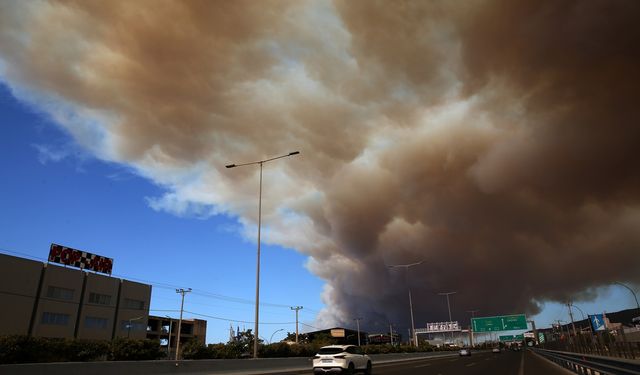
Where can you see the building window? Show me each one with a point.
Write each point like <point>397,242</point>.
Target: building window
<point>95,322</point>
<point>133,304</point>
<point>55,319</point>
<point>187,329</point>
<point>59,293</point>
<point>100,299</point>
<point>132,326</point>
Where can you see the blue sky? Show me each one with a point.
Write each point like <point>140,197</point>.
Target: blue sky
<point>82,202</point>
<point>54,191</point>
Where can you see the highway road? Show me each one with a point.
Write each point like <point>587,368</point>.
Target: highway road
<point>507,363</point>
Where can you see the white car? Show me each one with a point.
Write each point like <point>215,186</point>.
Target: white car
<point>465,352</point>
<point>341,359</point>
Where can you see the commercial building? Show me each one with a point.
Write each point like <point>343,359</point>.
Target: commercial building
<point>47,300</point>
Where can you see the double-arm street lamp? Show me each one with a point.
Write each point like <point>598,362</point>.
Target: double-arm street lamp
<point>260,162</point>
<point>414,338</point>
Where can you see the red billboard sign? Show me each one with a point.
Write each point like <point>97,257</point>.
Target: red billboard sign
<point>81,259</point>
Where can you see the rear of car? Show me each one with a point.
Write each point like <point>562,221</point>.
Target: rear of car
<point>341,359</point>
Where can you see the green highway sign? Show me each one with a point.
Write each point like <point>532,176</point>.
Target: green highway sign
<point>506,338</point>
<point>499,323</point>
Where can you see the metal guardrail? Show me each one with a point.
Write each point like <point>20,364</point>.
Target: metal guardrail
<point>591,364</point>
<point>596,346</point>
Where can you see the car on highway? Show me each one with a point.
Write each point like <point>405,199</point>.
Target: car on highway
<point>465,352</point>
<point>345,359</point>
<point>495,350</point>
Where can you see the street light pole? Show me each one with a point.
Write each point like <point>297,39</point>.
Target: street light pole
<point>632,292</point>
<point>271,338</point>
<point>257,314</point>
<point>448,306</point>
<point>414,338</point>
<point>583,318</point>
<point>358,324</point>
<point>573,326</point>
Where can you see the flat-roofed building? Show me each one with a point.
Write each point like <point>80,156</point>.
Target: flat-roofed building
<point>19,282</point>
<point>46,300</point>
<point>58,303</point>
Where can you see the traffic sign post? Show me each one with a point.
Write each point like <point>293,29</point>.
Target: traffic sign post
<point>499,323</point>
<point>597,322</point>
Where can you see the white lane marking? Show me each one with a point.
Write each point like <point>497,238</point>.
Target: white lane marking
<point>425,365</point>
<point>471,364</point>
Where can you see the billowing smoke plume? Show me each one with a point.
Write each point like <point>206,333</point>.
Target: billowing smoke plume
<point>497,141</point>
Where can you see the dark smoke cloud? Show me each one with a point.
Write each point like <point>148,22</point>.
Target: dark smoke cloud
<point>495,140</point>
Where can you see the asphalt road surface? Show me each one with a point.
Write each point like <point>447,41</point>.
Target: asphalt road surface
<point>507,363</point>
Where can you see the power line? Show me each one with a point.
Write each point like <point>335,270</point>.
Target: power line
<point>234,320</point>
<point>172,287</point>
<point>158,310</point>
<point>309,325</point>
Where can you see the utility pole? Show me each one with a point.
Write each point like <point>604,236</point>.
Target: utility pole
<point>358,324</point>
<point>296,308</point>
<point>182,292</point>
<point>391,333</point>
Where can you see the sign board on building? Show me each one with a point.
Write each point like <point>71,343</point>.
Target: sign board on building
<point>337,333</point>
<point>499,323</point>
<point>442,327</point>
<point>81,259</point>
<point>597,322</point>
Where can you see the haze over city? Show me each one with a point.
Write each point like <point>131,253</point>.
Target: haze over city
<point>495,141</point>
